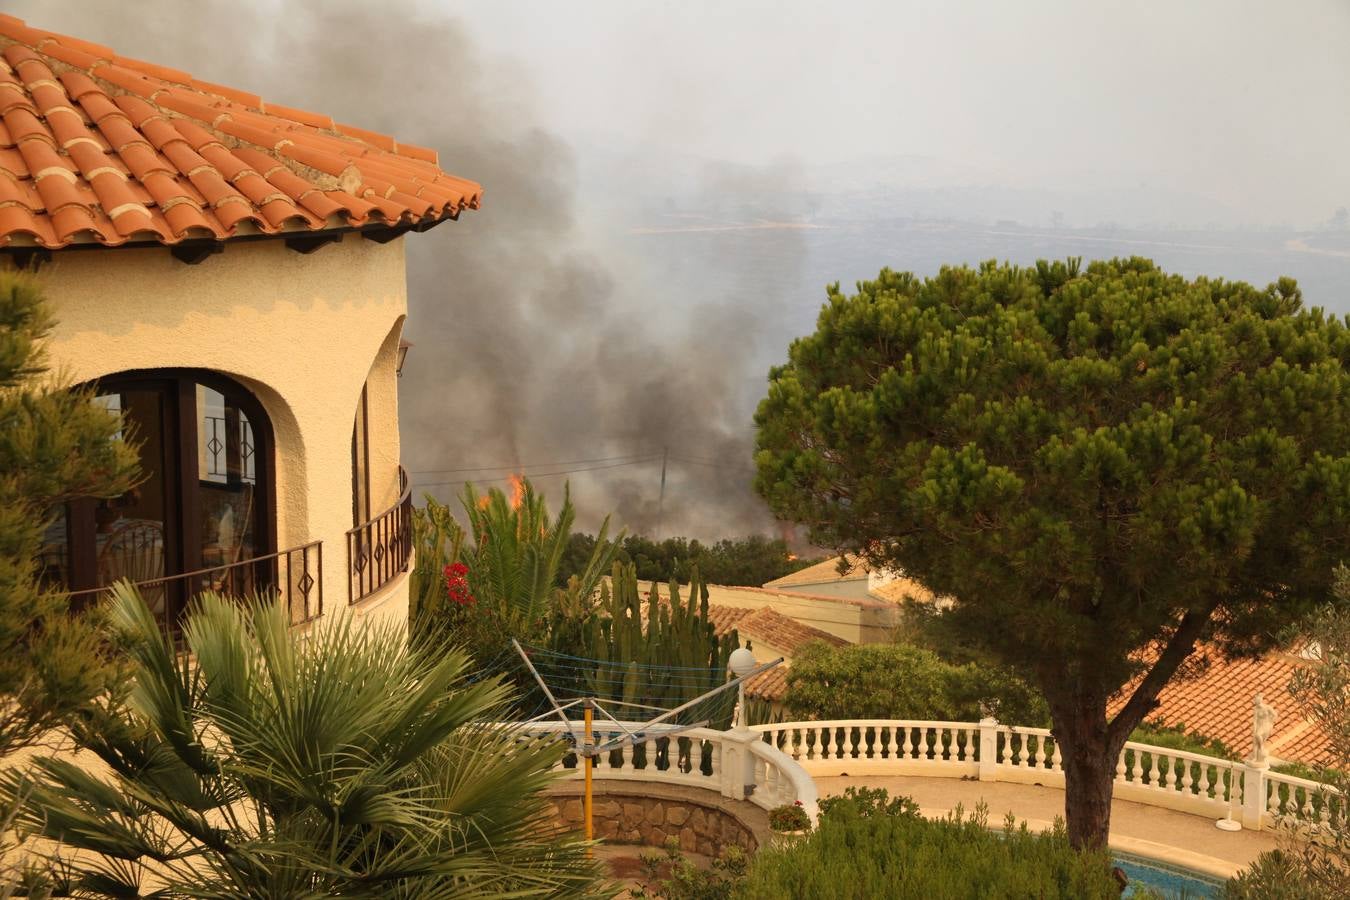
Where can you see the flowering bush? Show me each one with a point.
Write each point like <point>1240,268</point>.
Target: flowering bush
<point>457,584</point>
<point>789,817</point>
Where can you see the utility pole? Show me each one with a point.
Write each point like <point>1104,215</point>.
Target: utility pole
<point>661,498</point>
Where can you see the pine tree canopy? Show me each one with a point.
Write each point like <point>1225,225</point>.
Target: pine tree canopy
<point>1101,466</point>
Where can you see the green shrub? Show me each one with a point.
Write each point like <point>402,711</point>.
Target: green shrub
<point>1274,876</point>
<point>901,681</point>
<point>673,877</point>
<point>856,852</point>
<point>871,802</point>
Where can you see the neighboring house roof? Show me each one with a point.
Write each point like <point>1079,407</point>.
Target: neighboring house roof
<point>1218,704</point>
<point>776,630</point>
<point>769,685</point>
<point>864,602</point>
<point>96,148</point>
<point>821,573</point>
<point>783,632</point>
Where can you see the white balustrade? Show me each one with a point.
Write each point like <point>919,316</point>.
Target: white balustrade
<point>774,764</point>
<point>1157,776</point>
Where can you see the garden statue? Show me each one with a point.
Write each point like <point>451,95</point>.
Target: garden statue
<point>1263,722</point>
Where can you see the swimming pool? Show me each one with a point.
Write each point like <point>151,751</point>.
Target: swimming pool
<point>1171,881</point>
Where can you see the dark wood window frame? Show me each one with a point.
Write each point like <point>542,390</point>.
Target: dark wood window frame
<point>182,532</point>
<point>361,460</point>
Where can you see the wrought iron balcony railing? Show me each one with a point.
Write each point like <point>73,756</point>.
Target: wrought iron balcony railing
<point>295,574</point>
<point>379,550</point>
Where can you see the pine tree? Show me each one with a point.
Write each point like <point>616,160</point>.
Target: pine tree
<point>1104,468</point>
<point>55,444</point>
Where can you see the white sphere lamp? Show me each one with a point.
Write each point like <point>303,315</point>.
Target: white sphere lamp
<point>742,661</point>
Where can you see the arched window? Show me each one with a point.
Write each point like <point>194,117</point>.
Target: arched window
<point>206,501</point>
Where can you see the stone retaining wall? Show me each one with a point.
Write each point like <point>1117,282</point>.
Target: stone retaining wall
<point>650,814</point>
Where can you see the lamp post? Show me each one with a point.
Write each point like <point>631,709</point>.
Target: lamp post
<point>403,347</point>
<point>741,663</point>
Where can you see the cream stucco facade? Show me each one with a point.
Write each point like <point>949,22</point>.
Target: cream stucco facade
<point>302,332</point>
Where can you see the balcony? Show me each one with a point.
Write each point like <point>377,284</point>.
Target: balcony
<point>378,550</point>
<point>294,574</point>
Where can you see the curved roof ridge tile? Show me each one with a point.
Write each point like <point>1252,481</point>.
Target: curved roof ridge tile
<point>97,147</point>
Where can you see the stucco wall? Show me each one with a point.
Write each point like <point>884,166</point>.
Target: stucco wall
<point>303,332</point>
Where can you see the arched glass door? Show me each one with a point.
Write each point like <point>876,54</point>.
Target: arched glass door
<point>204,506</point>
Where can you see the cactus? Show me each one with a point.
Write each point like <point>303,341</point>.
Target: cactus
<point>663,648</point>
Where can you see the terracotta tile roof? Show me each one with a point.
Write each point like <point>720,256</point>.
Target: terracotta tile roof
<point>783,632</point>
<point>1218,704</point>
<point>769,685</point>
<point>725,618</point>
<point>820,573</point>
<point>98,148</point>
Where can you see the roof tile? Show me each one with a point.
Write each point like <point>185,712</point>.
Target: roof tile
<point>86,125</point>
<point>1217,703</point>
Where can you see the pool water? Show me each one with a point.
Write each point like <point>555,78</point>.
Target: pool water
<point>1173,882</point>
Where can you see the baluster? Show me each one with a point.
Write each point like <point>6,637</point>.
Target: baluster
<point>715,759</point>
<point>1186,780</point>
<point>1169,778</point>
<point>1204,783</point>
<point>625,758</point>
<point>1154,776</point>
<point>1015,748</point>
<point>796,743</point>
<point>888,747</point>
<point>1135,761</point>
<point>904,743</point>
<point>1057,761</point>
<point>1307,810</point>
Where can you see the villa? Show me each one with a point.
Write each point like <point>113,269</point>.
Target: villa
<point>228,274</point>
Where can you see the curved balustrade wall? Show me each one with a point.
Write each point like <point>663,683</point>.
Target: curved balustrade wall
<point>990,751</point>
<point>736,764</point>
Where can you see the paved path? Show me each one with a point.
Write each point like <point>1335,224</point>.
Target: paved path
<point>1162,834</point>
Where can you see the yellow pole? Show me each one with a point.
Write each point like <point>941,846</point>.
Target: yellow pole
<point>586,798</point>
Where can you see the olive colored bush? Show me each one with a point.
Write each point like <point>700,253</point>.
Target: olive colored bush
<point>875,847</point>
<point>900,681</point>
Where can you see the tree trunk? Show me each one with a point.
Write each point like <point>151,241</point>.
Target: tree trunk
<point>1089,771</point>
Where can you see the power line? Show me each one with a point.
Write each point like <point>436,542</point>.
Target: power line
<point>618,465</point>
<point>714,465</point>
<point>514,466</point>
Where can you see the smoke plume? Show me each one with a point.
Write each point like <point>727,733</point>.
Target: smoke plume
<point>529,348</point>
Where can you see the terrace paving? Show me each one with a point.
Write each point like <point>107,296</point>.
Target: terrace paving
<point>1162,834</point>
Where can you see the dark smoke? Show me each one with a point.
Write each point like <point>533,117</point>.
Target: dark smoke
<point>527,348</point>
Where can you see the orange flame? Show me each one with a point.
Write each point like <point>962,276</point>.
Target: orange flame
<point>517,490</point>
<point>483,501</point>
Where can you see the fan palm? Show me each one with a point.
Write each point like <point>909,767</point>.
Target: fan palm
<point>266,763</point>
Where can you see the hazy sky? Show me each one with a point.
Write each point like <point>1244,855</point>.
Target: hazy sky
<point>1239,100</point>
<point>669,186</point>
